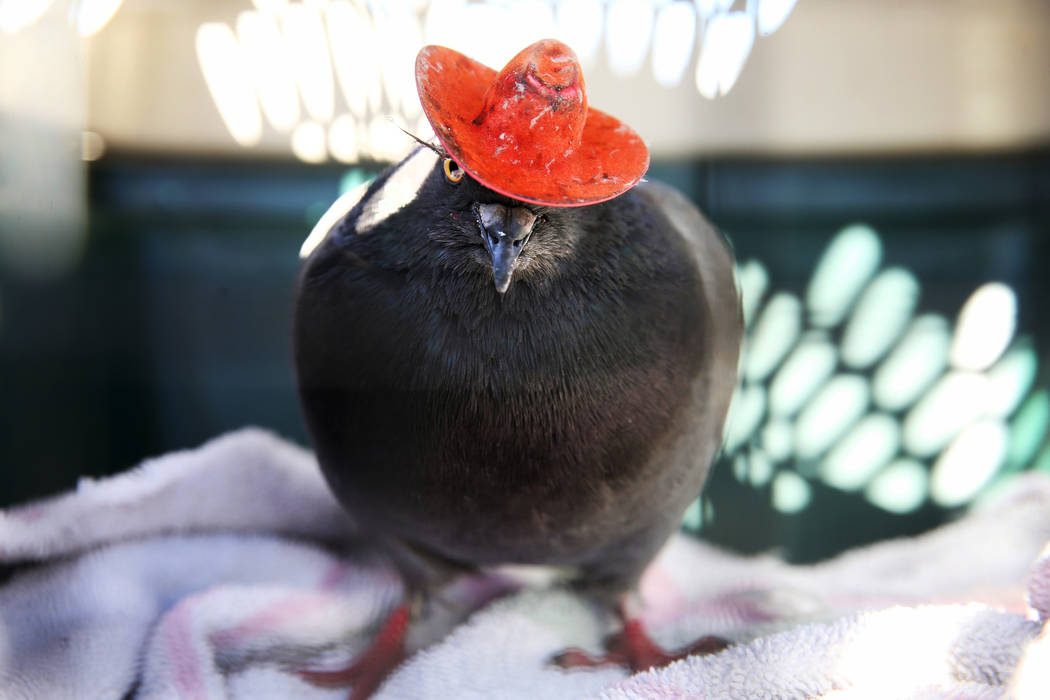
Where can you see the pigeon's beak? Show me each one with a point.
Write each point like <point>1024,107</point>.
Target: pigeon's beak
<point>505,231</point>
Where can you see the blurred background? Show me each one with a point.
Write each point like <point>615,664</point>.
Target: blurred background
<point>882,168</point>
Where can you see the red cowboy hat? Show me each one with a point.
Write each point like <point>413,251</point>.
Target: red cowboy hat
<point>527,131</point>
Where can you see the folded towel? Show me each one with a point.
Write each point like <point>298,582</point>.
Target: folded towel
<point>217,572</point>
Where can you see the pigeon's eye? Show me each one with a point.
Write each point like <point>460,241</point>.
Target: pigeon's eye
<point>453,172</point>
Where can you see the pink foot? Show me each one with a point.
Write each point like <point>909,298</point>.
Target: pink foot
<point>370,669</point>
<point>633,648</point>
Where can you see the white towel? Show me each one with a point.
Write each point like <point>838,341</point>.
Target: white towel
<point>216,572</point>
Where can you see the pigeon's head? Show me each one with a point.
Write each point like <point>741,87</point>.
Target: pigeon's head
<point>518,152</point>
<point>427,213</point>
<point>524,145</point>
<point>478,230</point>
<point>507,237</point>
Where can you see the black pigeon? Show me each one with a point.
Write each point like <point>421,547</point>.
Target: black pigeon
<point>488,381</point>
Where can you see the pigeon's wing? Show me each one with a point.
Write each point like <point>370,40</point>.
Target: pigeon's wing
<point>715,261</point>
<point>684,461</point>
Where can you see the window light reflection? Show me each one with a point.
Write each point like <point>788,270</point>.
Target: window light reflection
<point>844,268</point>
<point>228,77</point>
<point>745,414</point>
<point>791,493</point>
<point>309,143</point>
<point>369,47</point>
<point>913,365</point>
<point>579,24</point>
<point>673,37</point>
<point>882,313</point>
<point>805,370</point>
<point>775,332</point>
<point>342,139</point>
<point>1011,378</point>
<point>16,15</point>
<point>969,463</point>
<point>304,34</point>
<point>760,469</point>
<point>752,279</point>
<point>985,327</point>
<point>861,453</point>
<point>772,14</point>
<point>955,401</point>
<point>777,440</point>
<point>836,407</point>
<point>398,38</point>
<point>272,6</point>
<point>725,47</point>
<point>260,39</point>
<point>808,413</point>
<point>899,488</point>
<point>628,28</point>
<point>351,40</point>
<point>1029,428</point>
<point>93,15</point>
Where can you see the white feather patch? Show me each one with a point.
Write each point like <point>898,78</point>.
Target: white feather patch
<point>340,207</point>
<point>399,189</point>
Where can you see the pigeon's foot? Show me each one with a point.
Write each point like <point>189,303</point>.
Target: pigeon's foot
<point>633,648</point>
<point>368,671</point>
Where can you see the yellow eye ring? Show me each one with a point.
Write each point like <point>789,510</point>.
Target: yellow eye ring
<point>453,172</point>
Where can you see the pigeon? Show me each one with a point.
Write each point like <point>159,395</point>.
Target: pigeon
<point>509,349</point>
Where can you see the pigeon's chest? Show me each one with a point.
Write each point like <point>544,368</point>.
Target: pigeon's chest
<point>508,425</point>
<point>531,420</point>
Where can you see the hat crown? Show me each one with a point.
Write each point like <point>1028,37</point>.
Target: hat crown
<point>535,110</point>
<point>527,131</point>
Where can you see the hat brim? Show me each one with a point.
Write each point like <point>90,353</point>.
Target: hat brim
<point>610,159</point>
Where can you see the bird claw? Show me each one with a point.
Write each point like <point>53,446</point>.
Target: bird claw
<point>635,649</point>
<point>575,657</point>
<point>368,671</point>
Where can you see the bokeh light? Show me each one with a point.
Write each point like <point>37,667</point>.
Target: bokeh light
<point>861,453</point>
<point>628,28</point>
<point>775,332</point>
<point>791,493</point>
<point>985,327</point>
<point>808,367</point>
<point>913,365</point>
<point>369,50</point>
<point>1028,428</point>
<point>1011,378</point>
<point>772,14</point>
<point>579,24</point>
<point>745,415</point>
<point>351,40</point>
<point>883,311</point>
<point>343,138</point>
<point>93,15</point>
<point>229,78</point>
<point>969,463</point>
<point>956,400</point>
<point>727,43</point>
<point>673,39</point>
<point>899,488</point>
<point>309,142</point>
<point>777,440</point>
<point>752,279</point>
<point>845,267</point>
<point>92,145</point>
<point>307,42</point>
<point>264,52</point>
<point>871,396</point>
<point>836,406</point>
<point>16,15</point>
